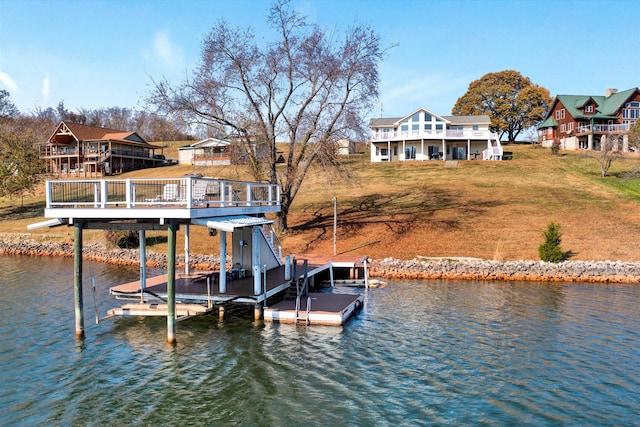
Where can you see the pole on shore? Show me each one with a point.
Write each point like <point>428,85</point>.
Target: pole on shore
<point>77,278</point>
<point>171,283</point>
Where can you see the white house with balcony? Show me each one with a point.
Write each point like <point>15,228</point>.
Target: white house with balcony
<point>423,135</point>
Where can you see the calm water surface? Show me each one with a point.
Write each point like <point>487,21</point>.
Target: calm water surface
<point>420,353</point>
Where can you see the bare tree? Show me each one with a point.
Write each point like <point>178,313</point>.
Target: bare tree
<point>308,87</point>
<point>610,150</point>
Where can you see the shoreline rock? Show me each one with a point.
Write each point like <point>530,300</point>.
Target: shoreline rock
<point>388,268</point>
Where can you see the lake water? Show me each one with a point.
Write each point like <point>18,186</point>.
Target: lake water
<point>420,353</point>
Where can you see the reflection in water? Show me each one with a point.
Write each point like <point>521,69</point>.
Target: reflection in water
<point>419,353</point>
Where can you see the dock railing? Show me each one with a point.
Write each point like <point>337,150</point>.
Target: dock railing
<point>191,192</point>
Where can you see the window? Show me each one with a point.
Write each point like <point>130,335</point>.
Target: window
<point>562,128</point>
<point>560,114</point>
<point>427,117</point>
<point>410,152</point>
<point>457,127</point>
<point>632,110</point>
<point>415,117</point>
<point>438,126</point>
<point>476,127</point>
<point>427,126</point>
<point>588,109</point>
<point>395,150</point>
<point>569,127</point>
<point>415,127</point>
<point>404,128</point>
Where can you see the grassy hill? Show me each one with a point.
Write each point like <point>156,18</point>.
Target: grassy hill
<point>490,210</point>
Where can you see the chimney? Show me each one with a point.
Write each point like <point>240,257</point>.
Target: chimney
<point>609,92</point>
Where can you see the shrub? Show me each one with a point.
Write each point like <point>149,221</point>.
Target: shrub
<point>125,239</point>
<point>550,250</point>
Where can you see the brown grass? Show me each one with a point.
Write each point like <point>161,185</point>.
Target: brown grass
<point>489,210</point>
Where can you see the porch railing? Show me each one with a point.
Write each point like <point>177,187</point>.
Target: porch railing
<point>433,134</point>
<point>604,128</point>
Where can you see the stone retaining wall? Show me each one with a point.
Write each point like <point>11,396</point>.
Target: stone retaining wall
<point>474,269</point>
<point>389,268</point>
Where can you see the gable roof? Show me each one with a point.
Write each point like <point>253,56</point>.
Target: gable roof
<point>455,120</point>
<point>80,132</point>
<point>209,142</point>
<point>606,106</point>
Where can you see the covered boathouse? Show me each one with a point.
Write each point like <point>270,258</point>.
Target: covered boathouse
<point>258,270</point>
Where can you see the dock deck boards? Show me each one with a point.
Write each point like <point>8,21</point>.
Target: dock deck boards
<point>326,309</point>
<point>191,289</point>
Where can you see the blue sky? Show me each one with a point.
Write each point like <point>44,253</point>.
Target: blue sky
<point>94,54</point>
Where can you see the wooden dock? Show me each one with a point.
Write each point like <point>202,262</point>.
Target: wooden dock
<point>198,293</point>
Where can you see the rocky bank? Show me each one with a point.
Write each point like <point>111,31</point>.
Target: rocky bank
<point>389,268</point>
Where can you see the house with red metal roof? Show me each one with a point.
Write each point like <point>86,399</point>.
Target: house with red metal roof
<point>582,122</point>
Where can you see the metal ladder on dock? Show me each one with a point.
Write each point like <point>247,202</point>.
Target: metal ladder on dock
<point>302,289</point>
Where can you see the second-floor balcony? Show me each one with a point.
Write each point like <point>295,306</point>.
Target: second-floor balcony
<point>603,128</point>
<point>446,134</point>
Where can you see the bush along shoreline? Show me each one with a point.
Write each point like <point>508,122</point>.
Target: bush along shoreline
<point>388,268</point>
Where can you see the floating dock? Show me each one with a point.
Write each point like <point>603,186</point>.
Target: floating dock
<point>316,309</point>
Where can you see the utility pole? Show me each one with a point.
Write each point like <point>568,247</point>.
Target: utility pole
<point>335,223</point>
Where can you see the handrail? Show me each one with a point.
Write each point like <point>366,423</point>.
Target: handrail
<point>433,134</point>
<point>272,241</point>
<point>159,192</point>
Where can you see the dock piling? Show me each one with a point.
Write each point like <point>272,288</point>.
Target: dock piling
<point>77,278</point>
<point>171,283</point>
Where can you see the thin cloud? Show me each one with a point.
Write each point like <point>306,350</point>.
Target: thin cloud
<point>6,80</point>
<point>163,50</point>
<point>46,88</point>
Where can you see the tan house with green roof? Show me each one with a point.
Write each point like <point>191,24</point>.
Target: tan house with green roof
<point>582,122</point>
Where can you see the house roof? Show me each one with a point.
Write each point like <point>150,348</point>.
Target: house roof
<point>80,132</point>
<point>549,123</point>
<point>209,142</point>
<point>469,120</point>
<point>606,106</point>
<point>455,120</point>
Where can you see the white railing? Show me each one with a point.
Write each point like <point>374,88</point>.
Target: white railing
<point>272,241</point>
<point>604,128</point>
<point>170,192</point>
<point>433,134</point>
<point>492,153</point>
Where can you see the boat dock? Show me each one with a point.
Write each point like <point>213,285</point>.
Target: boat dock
<point>252,268</point>
<point>198,293</point>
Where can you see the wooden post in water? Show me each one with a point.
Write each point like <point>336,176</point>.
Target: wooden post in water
<point>77,278</point>
<point>222,277</point>
<point>143,263</point>
<point>171,283</point>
